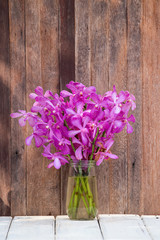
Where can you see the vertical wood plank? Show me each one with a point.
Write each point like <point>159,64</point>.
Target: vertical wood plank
<point>50,182</point>
<point>99,13</point>
<point>151,103</point>
<point>118,76</point>
<point>18,89</point>
<point>35,178</point>
<point>5,162</point>
<point>67,68</point>
<point>134,85</point>
<point>66,42</point>
<point>82,42</point>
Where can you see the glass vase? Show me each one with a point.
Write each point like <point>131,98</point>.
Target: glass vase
<point>82,202</point>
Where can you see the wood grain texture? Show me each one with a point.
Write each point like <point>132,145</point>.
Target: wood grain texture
<point>100,43</point>
<point>5,162</point>
<point>82,42</point>
<point>66,42</point>
<point>151,103</point>
<point>18,97</point>
<point>134,85</point>
<point>50,181</point>
<point>66,68</point>
<point>118,77</point>
<point>35,171</point>
<point>99,34</point>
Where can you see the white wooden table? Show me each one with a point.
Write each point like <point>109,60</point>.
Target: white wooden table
<point>107,227</point>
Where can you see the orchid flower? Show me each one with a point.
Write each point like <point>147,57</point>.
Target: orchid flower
<point>80,123</point>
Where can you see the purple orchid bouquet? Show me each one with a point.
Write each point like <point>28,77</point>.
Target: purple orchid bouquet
<point>81,124</point>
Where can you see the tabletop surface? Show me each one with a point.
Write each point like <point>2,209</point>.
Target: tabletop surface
<point>127,227</point>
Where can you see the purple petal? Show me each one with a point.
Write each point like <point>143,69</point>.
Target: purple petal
<point>47,148</point>
<point>114,96</point>
<point>90,89</point>
<point>36,109</point>
<point>22,111</point>
<point>76,122</point>
<point>39,90</point>
<point>109,144</point>
<point>22,122</point>
<point>100,115</point>
<point>49,156</point>
<point>66,150</point>
<point>57,133</point>
<point>129,128</point>
<point>70,111</point>
<point>72,133</point>
<point>65,93</point>
<point>110,155</point>
<point>31,121</point>
<point>95,97</point>
<point>48,93</point>
<point>64,160</point>
<point>131,118</point>
<point>86,120</point>
<point>85,154</point>
<point>126,108</point>
<point>121,98</point>
<point>29,140</point>
<point>100,160</point>
<point>117,109</point>
<point>117,123</point>
<point>38,141</point>
<point>133,106</point>
<point>78,153</point>
<point>79,106</point>
<point>32,95</point>
<point>57,163</point>
<point>15,115</point>
<point>51,165</point>
<point>84,139</point>
<point>75,140</point>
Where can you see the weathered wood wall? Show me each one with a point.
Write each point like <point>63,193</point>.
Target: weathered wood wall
<point>96,42</point>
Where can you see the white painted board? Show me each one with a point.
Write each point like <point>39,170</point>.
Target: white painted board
<point>4,226</point>
<point>123,227</point>
<point>32,228</point>
<point>67,229</point>
<point>152,224</point>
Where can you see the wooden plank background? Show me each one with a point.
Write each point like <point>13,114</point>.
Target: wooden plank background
<point>96,42</point>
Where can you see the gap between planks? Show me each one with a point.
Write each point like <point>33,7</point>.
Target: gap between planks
<point>127,227</point>
<point>5,224</point>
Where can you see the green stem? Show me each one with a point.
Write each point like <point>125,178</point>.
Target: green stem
<point>84,201</point>
<point>102,136</point>
<point>81,191</point>
<point>69,157</point>
<point>88,194</point>
<point>76,197</point>
<point>93,144</point>
<point>71,200</point>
